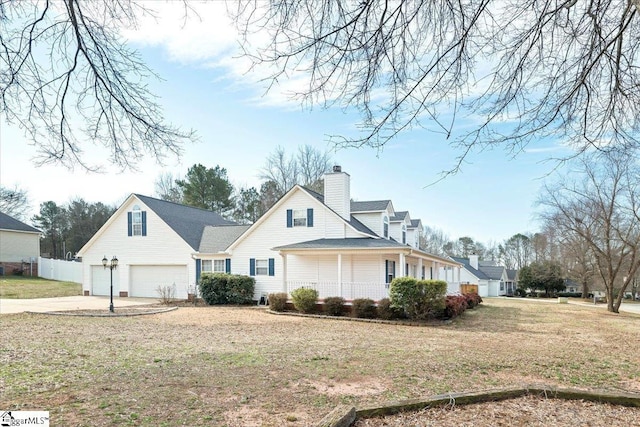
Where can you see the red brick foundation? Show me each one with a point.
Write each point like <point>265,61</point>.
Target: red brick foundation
<point>124,294</point>
<point>85,293</point>
<point>10,268</point>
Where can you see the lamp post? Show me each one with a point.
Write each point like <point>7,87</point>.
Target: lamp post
<point>111,265</point>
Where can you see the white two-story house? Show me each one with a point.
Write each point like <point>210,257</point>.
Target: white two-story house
<point>327,242</point>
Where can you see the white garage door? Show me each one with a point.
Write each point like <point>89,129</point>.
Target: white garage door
<point>101,281</point>
<point>145,279</point>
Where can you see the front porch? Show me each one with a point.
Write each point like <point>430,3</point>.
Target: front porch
<point>361,272</point>
<point>348,290</point>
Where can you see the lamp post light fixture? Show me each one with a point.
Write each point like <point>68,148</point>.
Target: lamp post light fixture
<point>111,265</point>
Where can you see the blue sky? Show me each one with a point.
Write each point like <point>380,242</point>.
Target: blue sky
<point>204,88</point>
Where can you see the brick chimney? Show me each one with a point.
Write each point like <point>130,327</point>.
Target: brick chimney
<point>337,192</point>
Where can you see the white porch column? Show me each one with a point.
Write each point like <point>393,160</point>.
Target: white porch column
<point>402,266</point>
<point>436,267</point>
<point>284,273</point>
<point>340,275</point>
<point>419,272</point>
<point>458,268</point>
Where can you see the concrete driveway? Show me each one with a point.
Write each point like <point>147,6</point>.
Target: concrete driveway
<point>40,305</point>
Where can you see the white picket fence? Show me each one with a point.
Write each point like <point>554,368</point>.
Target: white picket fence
<point>59,269</point>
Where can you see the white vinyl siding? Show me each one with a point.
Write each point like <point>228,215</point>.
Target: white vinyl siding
<point>17,246</point>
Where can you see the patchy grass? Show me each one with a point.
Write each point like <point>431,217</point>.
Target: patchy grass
<point>24,287</point>
<point>240,366</point>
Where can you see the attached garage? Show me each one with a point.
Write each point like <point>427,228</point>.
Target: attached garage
<point>101,281</point>
<point>145,279</point>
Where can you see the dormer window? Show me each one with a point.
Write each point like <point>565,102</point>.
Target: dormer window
<point>385,227</point>
<point>404,234</point>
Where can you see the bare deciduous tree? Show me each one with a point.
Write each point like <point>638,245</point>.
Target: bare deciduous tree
<point>526,70</point>
<point>306,168</point>
<point>67,78</point>
<point>167,188</point>
<point>14,202</point>
<point>600,207</point>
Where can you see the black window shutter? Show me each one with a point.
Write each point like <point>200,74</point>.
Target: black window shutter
<point>289,218</point>
<point>252,266</point>
<point>386,271</point>
<point>227,265</point>
<point>272,267</point>
<point>129,224</point>
<point>144,223</point>
<point>310,217</point>
<point>198,270</point>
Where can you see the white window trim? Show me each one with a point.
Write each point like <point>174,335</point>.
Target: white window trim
<point>219,266</point>
<point>136,221</point>
<point>262,267</point>
<point>299,218</point>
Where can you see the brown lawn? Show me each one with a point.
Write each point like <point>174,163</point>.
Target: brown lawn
<point>244,367</point>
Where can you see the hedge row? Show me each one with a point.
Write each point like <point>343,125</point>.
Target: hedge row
<point>410,298</point>
<point>220,288</point>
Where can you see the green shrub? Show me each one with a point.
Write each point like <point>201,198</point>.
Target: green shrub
<point>418,299</point>
<point>220,288</point>
<point>304,299</point>
<point>278,301</point>
<point>386,311</point>
<point>334,306</point>
<point>363,308</point>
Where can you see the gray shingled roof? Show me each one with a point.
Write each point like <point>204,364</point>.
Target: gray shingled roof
<point>187,221</point>
<point>465,262</point>
<point>350,243</point>
<point>512,274</point>
<point>369,206</point>
<point>353,221</point>
<point>399,216</point>
<point>492,272</point>
<point>218,238</point>
<point>10,223</point>
<point>415,223</point>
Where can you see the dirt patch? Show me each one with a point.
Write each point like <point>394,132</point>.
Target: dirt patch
<point>524,411</point>
<point>354,387</point>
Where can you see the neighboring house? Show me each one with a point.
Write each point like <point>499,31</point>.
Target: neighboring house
<point>19,247</point>
<point>154,241</point>
<point>491,279</point>
<point>512,282</point>
<point>327,242</point>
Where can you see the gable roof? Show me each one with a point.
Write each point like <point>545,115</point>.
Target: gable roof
<point>10,223</point>
<point>512,274</point>
<point>370,206</point>
<point>399,216</point>
<point>188,222</point>
<point>218,238</point>
<point>415,223</point>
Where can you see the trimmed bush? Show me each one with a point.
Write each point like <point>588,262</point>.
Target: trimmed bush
<point>304,299</point>
<point>334,306</point>
<point>278,301</point>
<point>575,295</point>
<point>363,308</point>
<point>473,299</point>
<point>222,288</point>
<point>418,299</point>
<point>455,305</point>
<point>386,311</point>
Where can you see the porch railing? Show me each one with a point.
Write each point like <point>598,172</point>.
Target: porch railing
<point>346,290</point>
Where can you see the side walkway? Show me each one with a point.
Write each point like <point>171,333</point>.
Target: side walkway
<point>40,305</point>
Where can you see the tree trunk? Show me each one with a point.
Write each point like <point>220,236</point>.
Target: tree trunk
<point>585,289</point>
